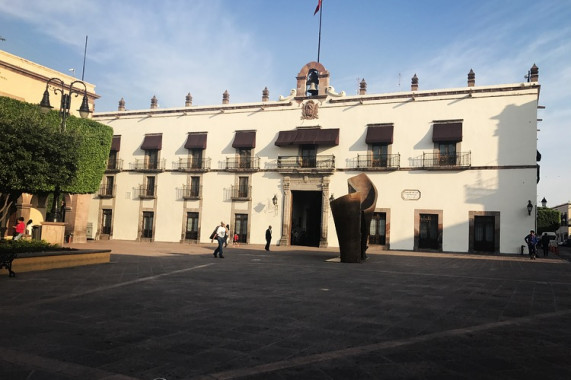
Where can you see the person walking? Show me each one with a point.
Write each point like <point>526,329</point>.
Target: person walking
<point>545,244</point>
<point>268,237</point>
<point>531,241</point>
<point>20,229</point>
<point>220,235</point>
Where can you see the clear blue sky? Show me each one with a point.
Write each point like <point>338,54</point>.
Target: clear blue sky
<point>140,48</point>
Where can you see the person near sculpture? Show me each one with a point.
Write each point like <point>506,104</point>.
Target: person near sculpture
<point>220,236</point>
<point>268,237</point>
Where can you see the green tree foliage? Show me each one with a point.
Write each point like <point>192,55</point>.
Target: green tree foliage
<point>548,220</point>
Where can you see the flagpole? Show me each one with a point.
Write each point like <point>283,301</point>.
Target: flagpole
<point>319,42</point>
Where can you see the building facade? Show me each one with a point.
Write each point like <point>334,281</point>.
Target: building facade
<point>563,232</point>
<point>454,168</point>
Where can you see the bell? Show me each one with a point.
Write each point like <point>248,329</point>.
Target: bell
<point>312,88</point>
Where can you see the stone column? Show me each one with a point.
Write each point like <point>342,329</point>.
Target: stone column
<point>76,219</point>
<point>286,212</point>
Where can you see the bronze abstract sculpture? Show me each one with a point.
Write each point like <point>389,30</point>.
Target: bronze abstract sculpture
<point>352,214</point>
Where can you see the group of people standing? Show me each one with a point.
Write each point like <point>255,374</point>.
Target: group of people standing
<point>533,241</point>
<point>220,234</point>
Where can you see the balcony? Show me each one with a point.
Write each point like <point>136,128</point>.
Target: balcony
<point>243,164</point>
<point>147,192</point>
<point>306,164</point>
<point>106,191</point>
<point>148,166</point>
<point>191,192</point>
<point>241,193</point>
<point>453,161</point>
<point>380,163</point>
<point>189,164</point>
<point>114,166</point>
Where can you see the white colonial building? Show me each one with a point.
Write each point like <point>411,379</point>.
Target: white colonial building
<point>454,168</point>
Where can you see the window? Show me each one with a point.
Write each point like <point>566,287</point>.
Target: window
<point>380,154</point>
<point>244,158</point>
<point>150,186</point>
<point>112,161</point>
<point>152,159</point>
<point>428,230</point>
<point>447,153</point>
<point>378,229</point>
<point>308,156</point>
<point>191,226</point>
<point>106,221</point>
<point>484,233</point>
<point>109,184</point>
<point>196,158</point>
<point>243,187</point>
<point>148,220</point>
<point>194,186</point>
<point>241,227</point>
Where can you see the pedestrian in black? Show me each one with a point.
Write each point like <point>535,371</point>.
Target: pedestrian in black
<point>268,237</point>
<point>545,244</point>
<point>531,241</point>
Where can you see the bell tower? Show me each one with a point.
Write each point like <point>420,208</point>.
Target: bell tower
<point>312,80</point>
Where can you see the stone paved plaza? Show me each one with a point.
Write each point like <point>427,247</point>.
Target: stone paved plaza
<point>172,311</point>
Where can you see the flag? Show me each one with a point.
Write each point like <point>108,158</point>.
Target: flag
<point>317,8</point>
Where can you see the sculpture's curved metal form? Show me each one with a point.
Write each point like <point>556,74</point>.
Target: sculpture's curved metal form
<point>352,214</point>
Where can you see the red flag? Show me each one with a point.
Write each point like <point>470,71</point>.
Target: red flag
<point>317,8</point>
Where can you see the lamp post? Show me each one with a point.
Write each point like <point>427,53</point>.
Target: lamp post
<point>544,202</point>
<point>66,91</point>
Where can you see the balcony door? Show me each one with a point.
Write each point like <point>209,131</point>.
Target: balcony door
<point>308,156</point>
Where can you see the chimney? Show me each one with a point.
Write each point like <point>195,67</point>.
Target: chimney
<point>414,83</point>
<point>225,97</point>
<point>265,95</point>
<point>154,102</point>
<point>471,78</point>
<point>121,105</point>
<point>188,101</point>
<point>363,87</point>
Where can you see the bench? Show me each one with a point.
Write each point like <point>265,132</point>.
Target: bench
<point>6,262</point>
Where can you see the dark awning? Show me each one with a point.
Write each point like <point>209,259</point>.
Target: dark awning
<point>152,142</point>
<point>447,132</point>
<point>380,134</point>
<point>196,141</point>
<point>244,140</point>
<point>308,136</point>
<point>116,143</point>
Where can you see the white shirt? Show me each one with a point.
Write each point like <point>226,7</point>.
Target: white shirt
<point>221,231</point>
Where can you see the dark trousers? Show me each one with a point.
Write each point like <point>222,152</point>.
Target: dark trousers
<point>532,250</point>
<point>268,244</point>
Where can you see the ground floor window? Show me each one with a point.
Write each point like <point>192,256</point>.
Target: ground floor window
<point>428,229</point>
<point>191,226</point>
<point>106,221</point>
<point>484,231</point>
<point>148,218</point>
<point>241,227</point>
<point>378,230</point>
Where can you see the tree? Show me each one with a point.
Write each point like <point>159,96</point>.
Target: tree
<point>548,220</point>
<point>37,157</point>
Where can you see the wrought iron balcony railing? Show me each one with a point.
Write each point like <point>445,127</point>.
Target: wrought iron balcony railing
<point>191,192</point>
<point>446,161</point>
<point>106,191</point>
<point>114,166</point>
<point>241,193</point>
<point>325,162</point>
<point>382,162</point>
<point>148,166</point>
<point>147,192</point>
<point>189,164</point>
<point>243,163</point>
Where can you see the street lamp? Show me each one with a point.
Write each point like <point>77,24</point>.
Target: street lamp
<point>544,202</point>
<point>65,98</point>
<point>529,207</point>
<point>66,92</point>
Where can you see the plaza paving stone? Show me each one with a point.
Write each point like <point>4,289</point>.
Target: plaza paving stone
<point>172,311</point>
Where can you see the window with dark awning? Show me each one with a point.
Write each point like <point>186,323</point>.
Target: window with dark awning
<point>244,140</point>
<point>309,136</point>
<point>381,134</point>
<point>152,142</point>
<point>447,132</point>
<point>116,143</point>
<point>196,141</point>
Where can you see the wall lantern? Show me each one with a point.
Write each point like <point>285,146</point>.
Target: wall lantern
<point>275,200</point>
<point>529,207</point>
<point>331,198</point>
<point>544,202</point>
